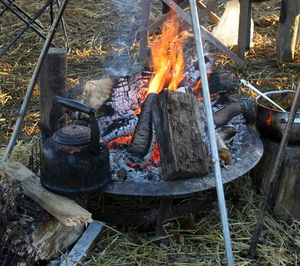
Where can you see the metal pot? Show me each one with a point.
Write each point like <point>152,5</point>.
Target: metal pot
<point>271,123</point>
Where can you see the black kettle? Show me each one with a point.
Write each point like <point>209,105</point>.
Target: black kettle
<point>73,160</point>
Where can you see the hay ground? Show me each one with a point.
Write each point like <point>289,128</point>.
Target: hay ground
<point>93,30</point>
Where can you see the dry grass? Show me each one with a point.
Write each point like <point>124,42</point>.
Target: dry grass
<point>93,30</point>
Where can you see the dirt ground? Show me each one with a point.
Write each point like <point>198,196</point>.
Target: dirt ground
<point>99,32</point>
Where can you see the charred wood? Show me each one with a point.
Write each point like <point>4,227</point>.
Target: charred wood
<point>181,142</point>
<point>224,115</point>
<point>127,96</point>
<point>118,128</point>
<point>142,136</point>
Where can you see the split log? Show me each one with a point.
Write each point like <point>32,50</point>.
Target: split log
<point>64,209</point>
<point>224,115</point>
<point>30,233</point>
<point>181,144</point>
<point>286,200</point>
<point>142,136</point>
<point>53,81</point>
<point>224,152</point>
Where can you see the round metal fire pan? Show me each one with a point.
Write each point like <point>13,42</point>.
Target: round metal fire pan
<point>248,156</point>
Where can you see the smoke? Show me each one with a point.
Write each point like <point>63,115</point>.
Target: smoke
<point>122,63</point>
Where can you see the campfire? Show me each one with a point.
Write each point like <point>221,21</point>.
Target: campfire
<point>140,131</point>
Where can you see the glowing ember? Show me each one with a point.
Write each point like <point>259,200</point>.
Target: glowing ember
<point>119,141</point>
<point>167,57</point>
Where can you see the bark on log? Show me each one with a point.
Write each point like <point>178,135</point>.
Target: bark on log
<point>224,115</point>
<point>288,30</point>
<point>142,136</point>
<point>224,152</point>
<point>53,81</point>
<point>177,121</point>
<point>29,232</point>
<point>286,200</point>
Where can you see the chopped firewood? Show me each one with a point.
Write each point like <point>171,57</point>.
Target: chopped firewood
<point>224,152</point>
<point>28,232</point>
<point>142,136</point>
<point>64,209</point>
<point>92,92</point>
<point>181,144</point>
<point>53,81</point>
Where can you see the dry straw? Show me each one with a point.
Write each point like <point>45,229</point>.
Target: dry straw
<point>93,29</point>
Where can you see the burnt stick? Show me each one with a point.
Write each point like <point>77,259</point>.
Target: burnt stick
<point>142,136</point>
<point>224,115</point>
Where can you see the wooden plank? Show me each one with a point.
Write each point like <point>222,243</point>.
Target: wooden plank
<point>286,199</point>
<point>53,81</point>
<point>213,17</point>
<point>144,28</point>
<point>244,28</point>
<point>67,211</point>
<point>201,13</point>
<point>288,29</point>
<point>205,33</point>
<point>81,248</point>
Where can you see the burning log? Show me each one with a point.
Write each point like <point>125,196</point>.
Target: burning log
<point>142,137</point>
<point>181,142</point>
<point>119,128</point>
<point>224,115</point>
<point>224,152</point>
<point>126,97</point>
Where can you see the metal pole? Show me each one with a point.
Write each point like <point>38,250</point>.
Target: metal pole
<point>274,175</point>
<point>211,131</point>
<point>33,81</point>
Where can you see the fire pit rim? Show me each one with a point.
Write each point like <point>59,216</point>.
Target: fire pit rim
<point>249,157</point>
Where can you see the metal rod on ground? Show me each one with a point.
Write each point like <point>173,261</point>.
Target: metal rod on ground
<point>33,81</point>
<point>274,174</point>
<point>211,131</point>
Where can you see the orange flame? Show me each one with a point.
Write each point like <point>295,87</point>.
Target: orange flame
<point>167,57</point>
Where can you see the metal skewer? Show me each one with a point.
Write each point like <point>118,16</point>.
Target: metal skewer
<point>248,85</point>
<point>33,81</point>
<point>211,131</point>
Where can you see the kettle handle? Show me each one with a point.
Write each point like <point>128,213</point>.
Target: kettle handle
<point>77,106</point>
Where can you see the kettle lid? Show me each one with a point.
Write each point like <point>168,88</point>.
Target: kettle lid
<point>72,135</point>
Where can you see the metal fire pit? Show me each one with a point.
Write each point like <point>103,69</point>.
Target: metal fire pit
<point>168,191</point>
<point>249,156</point>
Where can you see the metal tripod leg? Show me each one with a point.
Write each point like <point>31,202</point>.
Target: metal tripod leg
<point>33,81</point>
<point>211,132</point>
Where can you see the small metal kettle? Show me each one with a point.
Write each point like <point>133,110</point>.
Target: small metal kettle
<point>73,160</point>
